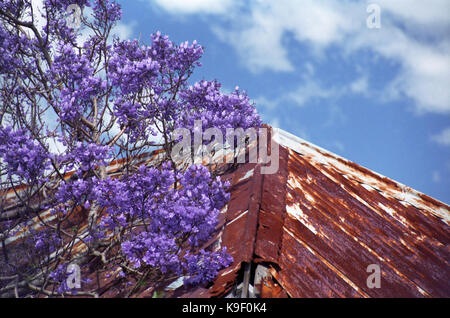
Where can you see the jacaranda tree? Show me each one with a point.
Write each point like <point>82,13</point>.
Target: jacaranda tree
<point>74,98</point>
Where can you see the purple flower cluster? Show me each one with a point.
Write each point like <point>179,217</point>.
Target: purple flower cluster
<point>106,11</point>
<point>174,59</point>
<point>24,157</point>
<point>75,192</point>
<point>199,201</point>
<point>97,88</point>
<point>132,67</point>
<point>205,102</point>
<point>170,216</point>
<point>12,6</point>
<point>153,249</point>
<point>59,275</point>
<point>88,156</point>
<point>44,242</point>
<point>81,83</point>
<point>79,190</point>
<point>10,47</point>
<point>63,4</point>
<point>155,71</point>
<point>203,267</point>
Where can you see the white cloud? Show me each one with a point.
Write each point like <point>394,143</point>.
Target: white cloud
<point>360,85</point>
<point>302,132</point>
<point>414,34</point>
<point>123,30</point>
<point>309,92</point>
<point>195,6</point>
<point>258,36</point>
<point>310,70</point>
<point>275,122</point>
<point>338,146</point>
<point>424,74</point>
<point>264,102</point>
<point>336,116</point>
<point>419,12</point>
<point>443,137</point>
<point>51,123</point>
<point>258,47</point>
<point>312,90</point>
<point>436,176</point>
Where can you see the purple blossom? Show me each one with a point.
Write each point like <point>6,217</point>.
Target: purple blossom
<point>77,191</point>
<point>131,67</point>
<point>187,213</point>
<point>60,276</point>
<point>97,88</point>
<point>105,10</point>
<point>44,241</point>
<point>203,267</point>
<point>76,70</point>
<point>24,157</point>
<point>216,109</point>
<point>89,155</point>
<point>155,250</point>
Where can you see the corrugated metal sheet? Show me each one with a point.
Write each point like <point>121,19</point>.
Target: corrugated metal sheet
<point>315,226</point>
<point>322,220</point>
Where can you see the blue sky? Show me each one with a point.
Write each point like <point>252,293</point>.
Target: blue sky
<point>377,96</point>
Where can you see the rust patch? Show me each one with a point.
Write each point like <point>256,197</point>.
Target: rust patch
<point>351,235</point>
<point>271,289</point>
<point>272,213</point>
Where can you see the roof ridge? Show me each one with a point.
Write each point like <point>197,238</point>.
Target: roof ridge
<point>366,176</point>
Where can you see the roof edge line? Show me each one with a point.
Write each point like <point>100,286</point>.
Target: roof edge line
<point>283,137</point>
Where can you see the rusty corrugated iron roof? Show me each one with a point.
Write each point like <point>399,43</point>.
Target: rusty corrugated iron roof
<point>322,220</point>
<point>312,229</point>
